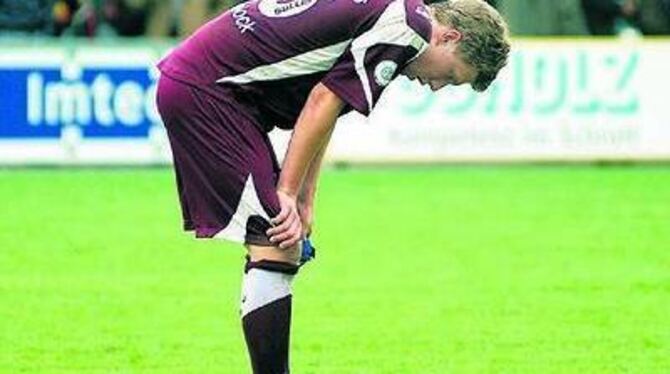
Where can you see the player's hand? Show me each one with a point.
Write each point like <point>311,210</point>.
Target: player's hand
<point>306,212</point>
<point>287,230</point>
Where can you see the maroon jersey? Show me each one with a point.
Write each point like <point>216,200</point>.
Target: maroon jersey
<point>269,54</point>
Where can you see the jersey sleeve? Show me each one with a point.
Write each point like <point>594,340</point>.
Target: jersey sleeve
<point>376,57</point>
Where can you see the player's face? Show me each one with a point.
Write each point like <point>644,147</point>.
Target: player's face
<point>441,64</point>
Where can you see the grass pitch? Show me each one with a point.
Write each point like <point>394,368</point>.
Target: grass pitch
<point>424,270</point>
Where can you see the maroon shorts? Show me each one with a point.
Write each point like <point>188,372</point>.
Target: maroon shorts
<point>225,165</point>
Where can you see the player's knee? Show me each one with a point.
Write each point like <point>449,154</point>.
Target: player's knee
<point>260,253</point>
<point>273,259</point>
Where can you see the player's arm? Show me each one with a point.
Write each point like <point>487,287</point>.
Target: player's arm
<point>314,126</point>
<point>307,194</point>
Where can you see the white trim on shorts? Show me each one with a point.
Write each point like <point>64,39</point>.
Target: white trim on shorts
<point>249,205</point>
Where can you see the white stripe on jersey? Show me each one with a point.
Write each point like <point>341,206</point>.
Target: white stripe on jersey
<point>390,28</point>
<point>314,61</point>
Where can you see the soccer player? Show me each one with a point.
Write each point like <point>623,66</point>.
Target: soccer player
<point>297,65</point>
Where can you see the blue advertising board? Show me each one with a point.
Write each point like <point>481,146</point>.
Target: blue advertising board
<point>113,102</point>
<point>80,102</point>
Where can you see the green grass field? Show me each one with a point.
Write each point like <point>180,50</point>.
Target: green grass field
<point>419,270</point>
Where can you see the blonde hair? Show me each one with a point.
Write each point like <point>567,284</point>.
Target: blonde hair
<point>485,41</point>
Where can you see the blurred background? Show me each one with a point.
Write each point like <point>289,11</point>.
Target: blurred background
<point>137,18</point>
<point>523,230</point>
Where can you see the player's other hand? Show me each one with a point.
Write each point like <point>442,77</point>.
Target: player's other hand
<point>287,226</point>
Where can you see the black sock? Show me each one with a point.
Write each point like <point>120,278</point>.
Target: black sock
<point>266,314</point>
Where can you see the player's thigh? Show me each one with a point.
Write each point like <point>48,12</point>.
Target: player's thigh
<point>226,167</point>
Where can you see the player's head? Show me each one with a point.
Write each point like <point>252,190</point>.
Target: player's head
<point>469,44</point>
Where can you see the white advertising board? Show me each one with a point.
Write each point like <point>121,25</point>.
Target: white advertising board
<point>556,100</point>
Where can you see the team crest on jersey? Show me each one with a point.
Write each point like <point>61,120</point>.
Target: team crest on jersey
<point>284,8</point>
<point>384,72</point>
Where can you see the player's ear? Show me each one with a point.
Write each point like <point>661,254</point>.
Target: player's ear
<point>451,35</point>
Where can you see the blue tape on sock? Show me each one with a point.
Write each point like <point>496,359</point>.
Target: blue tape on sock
<point>308,251</point>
